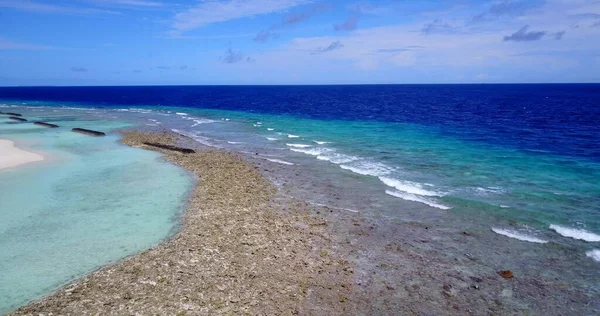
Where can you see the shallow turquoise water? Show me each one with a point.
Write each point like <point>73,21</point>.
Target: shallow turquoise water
<point>91,202</point>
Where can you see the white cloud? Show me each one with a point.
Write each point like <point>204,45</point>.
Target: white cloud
<point>38,7</point>
<point>9,45</point>
<point>212,11</point>
<point>137,3</point>
<point>479,54</point>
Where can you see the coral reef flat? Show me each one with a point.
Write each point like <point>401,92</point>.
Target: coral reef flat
<point>251,243</point>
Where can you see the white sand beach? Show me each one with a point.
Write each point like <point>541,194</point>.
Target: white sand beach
<point>11,156</point>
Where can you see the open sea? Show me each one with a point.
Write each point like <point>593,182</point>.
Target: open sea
<point>522,159</point>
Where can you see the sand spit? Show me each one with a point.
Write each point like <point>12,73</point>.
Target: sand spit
<point>11,156</point>
<point>234,254</point>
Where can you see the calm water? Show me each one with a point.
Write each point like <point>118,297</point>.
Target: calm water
<point>93,201</point>
<point>525,156</point>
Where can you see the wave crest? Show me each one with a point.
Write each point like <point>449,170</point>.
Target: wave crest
<point>575,233</point>
<point>518,235</point>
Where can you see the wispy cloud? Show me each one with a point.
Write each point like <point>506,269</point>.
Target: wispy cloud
<point>164,67</point>
<point>333,46</point>
<point>349,25</point>
<point>507,8</point>
<point>289,20</point>
<point>559,35</point>
<point>38,7</point>
<point>438,26</point>
<point>136,3</point>
<point>78,69</point>
<point>523,36</point>
<point>212,11</point>
<point>398,50</point>
<point>183,67</point>
<point>264,36</point>
<point>234,57</point>
<point>9,45</point>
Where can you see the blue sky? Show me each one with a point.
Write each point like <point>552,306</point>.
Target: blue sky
<point>128,42</point>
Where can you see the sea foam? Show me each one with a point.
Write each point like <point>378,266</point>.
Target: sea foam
<point>298,145</point>
<point>292,136</point>
<point>311,151</point>
<point>415,198</point>
<point>337,158</point>
<point>575,233</point>
<point>408,187</point>
<point>202,121</point>
<point>594,254</point>
<point>283,162</point>
<point>518,235</point>
<point>367,168</point>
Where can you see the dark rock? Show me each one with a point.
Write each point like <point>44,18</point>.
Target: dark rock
<point>46,124</point>
<point>11,113</point>
<point>18,119</point>
<point>476,279</point>
<point>87,132</point>
<point>170,147</point>
<point>466,234</point>
<point>507,274</point>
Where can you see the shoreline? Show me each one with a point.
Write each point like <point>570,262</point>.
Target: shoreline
<point>234,253</point>
<point>12,156</point>
<point>249,243</point>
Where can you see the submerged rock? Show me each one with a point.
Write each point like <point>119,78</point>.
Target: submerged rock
<point>11,113</point>
<point>87,132</point>
<point>18,119</point>
<point>171,147</point>
<point>507,274</point>
<point>45,124</point>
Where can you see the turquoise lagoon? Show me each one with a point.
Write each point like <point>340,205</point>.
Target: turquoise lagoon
<point>92,202</point>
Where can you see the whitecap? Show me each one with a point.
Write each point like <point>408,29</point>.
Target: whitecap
<point>298,145</point>
<point>320,142</point>
<point>283,162</point>
<point>489,190</point>
<point>312,151</point>
<point>293,136</point>
<point>518,235</point>
<point>337,158</point>
<point>272,138</point>
<point>367,168</point>
<point>202,121</point>
<point>181,113</point>
<point>234,143</point>
<point>594,254</point>
<point>258,123</point>
<point>201,139</point>
<point>270,129</point>
<point>408,187</point>
<point>414,198</point>
<point>575,233</point>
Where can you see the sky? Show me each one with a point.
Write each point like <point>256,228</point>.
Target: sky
<point>240,42</point>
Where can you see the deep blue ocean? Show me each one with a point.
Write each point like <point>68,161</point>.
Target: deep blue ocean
<point>558,118</point>
<point>526,155</point>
